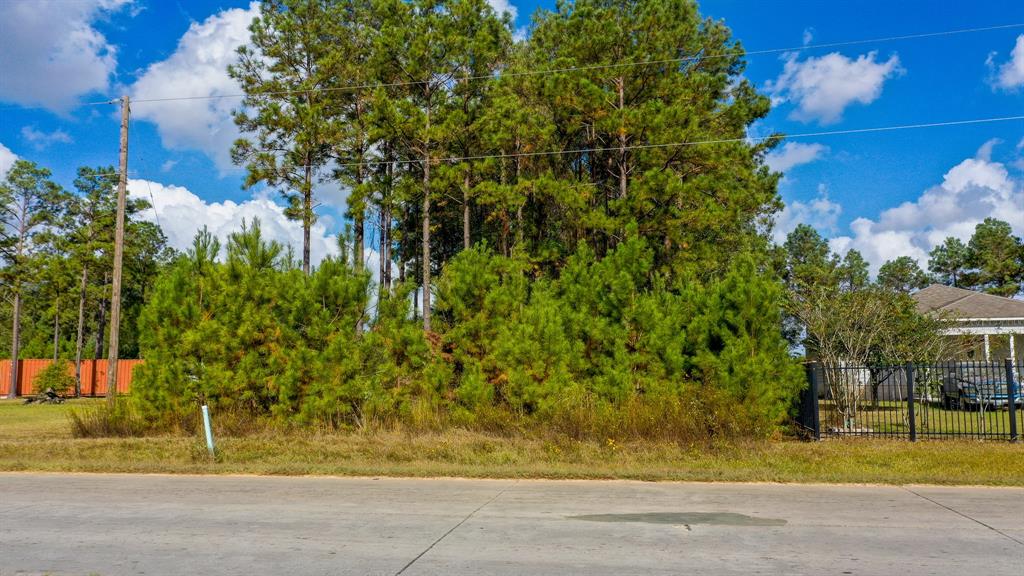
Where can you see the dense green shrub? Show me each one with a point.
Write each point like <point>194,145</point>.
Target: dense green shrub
<point>255,334</point>
<point>611,333</point>
<point>57,376</point>
<point>609,347</point>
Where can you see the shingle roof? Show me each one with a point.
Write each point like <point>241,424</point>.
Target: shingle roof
<point>962,303</point>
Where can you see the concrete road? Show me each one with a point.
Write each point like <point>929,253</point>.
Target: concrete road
<point>128,524</point>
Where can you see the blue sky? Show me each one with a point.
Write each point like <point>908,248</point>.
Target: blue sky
<point>887,194</point>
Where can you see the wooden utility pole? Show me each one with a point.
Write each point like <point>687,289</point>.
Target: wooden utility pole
<point>426,217</point>
<point>115,295</point>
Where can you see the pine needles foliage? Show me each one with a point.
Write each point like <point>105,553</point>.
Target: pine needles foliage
<point>608,347</point>
<point>618,286</point>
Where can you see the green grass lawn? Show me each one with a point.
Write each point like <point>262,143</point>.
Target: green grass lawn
<point>891,417</point>
<point>22,422</point>
<point>37,438</point>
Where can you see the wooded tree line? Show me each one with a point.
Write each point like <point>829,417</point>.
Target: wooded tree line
<point>992,260</point>
<point>57,249</point>
<point>544,249</point>
<point>434,118</point>
<point>561,256</point>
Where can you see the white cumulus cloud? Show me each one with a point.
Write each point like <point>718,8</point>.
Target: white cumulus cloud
<point>823,87</point>
<point>793,154</point>
<point>502,6</point>
<point>971,191</point>
<point>181,214</point>
<point>7,159</point>
<point>1010,74</point>
<point>821,213</point>
<point>40,140</point>
<point>52,54</point>
<point>197,68</point>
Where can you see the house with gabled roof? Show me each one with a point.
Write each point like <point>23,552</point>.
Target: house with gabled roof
<point>993,325</point>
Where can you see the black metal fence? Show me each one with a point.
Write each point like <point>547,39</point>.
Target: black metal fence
<point>940,400</point>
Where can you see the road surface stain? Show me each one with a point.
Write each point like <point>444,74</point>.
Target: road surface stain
<point>684,518</point>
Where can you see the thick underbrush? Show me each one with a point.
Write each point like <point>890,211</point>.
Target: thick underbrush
<point>697,420</point>
<point>605,347</point>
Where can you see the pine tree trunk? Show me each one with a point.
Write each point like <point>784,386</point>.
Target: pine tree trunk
<point>79,340</point>
<point>360,216</point>
<point>416,290</point>
<point>426,220</point>
<point>417,256</point>
<point>503,239</point>
<point>623,174</point>
<point>98,351</point>
<point>307,215</point>
<point>519,225</point>
<point>385,247</point>
<point>503,242</point>
<point>426,244</point>
<point>56,328</point>
<point>403,262</point>
<point>381,248</point>
<point>15,343</point>
<point>465,211</point>
<point>466,177</point>
<point>519,209</point>
<point>16,312</point>
<point>357,252</point>
<point>385,221</point>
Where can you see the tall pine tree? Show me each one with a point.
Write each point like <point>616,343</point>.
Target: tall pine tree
<point>29,201</point>
<point>282,73</point>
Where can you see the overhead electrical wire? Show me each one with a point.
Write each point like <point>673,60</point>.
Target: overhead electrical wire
<point>142,160</point>
<point>805,47</point>
<point>695,142</point>
<point>749,139</point>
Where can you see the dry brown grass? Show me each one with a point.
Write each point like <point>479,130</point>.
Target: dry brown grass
<point>37,438</point>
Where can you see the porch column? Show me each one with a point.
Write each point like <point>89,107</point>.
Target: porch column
<point>988,351</point>
<point>1013,360</point>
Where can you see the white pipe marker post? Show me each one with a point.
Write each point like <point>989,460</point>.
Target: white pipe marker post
<point>209,431</point>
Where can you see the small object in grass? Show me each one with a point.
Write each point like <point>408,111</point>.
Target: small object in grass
<point>209,431</point>
<point>47,396</point>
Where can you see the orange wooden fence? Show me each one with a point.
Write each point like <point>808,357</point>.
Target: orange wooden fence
<point>94,376</point>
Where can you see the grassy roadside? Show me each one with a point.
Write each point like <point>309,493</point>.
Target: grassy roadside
<point>36,438</point>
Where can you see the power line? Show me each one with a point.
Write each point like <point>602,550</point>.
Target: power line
<point>156,213</point>
<point>142,160</point>
<point>696,142</point>
<point>356,87</point>
<point>890,128</point>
